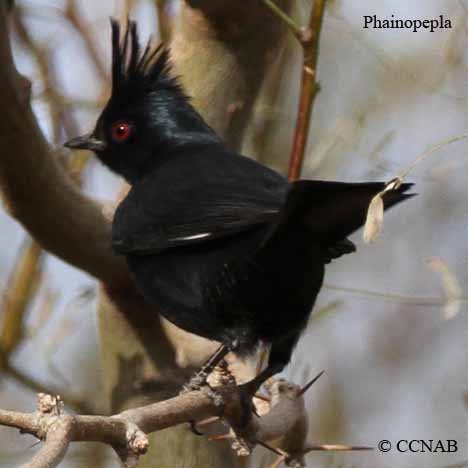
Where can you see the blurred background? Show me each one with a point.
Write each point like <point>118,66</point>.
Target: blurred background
<point>391,330</point>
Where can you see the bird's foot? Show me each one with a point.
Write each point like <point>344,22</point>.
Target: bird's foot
<point>216,396</point>
<point>200,379</point>
<point>211,392</point>
<point>196,383</point>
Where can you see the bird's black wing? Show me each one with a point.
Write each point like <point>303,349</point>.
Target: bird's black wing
<point>197,198</point>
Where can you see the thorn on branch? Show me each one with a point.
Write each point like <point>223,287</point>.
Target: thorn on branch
<point>309,384</point>
<point>286,422</point>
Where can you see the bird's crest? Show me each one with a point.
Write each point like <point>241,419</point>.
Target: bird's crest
<point>131,68</point>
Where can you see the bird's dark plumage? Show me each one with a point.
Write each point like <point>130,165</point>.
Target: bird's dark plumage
<point>227,247</point>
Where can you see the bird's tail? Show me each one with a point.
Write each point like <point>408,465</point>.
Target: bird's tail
<point>334,210</point>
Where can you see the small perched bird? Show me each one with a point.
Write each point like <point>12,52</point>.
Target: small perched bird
<point>228,248</point>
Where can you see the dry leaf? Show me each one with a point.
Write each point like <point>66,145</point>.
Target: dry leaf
<point>374,219</point>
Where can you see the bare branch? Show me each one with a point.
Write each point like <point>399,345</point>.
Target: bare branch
<point>58,429</point>
<point>126,431</point>
<point>309,39</point>
<point>397,298</point>
<point>55,446</point>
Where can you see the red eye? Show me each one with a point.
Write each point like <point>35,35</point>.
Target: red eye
<point>121,131</point>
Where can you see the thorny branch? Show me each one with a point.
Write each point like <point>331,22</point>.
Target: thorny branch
<point>284,417</point>
<point>308,37</point>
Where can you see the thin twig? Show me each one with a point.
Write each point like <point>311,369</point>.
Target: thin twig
<point>309,39</point>
<point>428,152</point>
<point>309,88</point>
<point>19,291</point>
<point>296,29</point>
<point>392,297</point>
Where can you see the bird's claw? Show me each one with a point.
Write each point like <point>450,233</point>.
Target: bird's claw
<point>194,428</point>
<point>199,380</point>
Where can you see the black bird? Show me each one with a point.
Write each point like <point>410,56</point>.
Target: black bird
<point>228,248</point>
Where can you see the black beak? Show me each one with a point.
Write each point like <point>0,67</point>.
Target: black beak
<point>87,142</point>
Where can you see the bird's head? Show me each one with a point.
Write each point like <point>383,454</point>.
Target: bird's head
<point>147,115</point>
